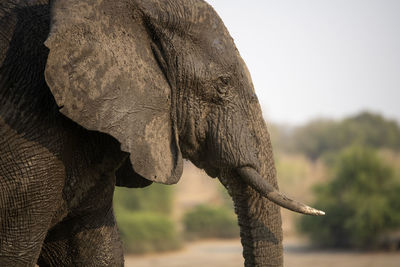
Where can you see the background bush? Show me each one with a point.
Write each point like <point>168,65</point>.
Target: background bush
<point>362,202</point>
<point>144,219</point>
<point>205,221</point>
<point>154,198</point>
<point>143,232</point>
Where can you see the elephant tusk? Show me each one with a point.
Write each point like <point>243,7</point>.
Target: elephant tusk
<point>254,179</point>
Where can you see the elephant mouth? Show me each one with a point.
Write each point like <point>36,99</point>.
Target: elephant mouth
<point>251,177</point>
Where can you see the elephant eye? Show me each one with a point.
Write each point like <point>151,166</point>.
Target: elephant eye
<point>225,79</point>
<point>223,84</point>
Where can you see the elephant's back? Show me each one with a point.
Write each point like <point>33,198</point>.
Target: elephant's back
<point>14,13</point>
<point>24,95</point>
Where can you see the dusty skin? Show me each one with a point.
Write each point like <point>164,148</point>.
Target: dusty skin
<point>228,254</point>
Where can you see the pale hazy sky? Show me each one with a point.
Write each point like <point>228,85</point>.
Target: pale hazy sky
<point>313,58</point>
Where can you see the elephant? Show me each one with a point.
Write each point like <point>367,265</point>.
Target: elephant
<point>98,93</point>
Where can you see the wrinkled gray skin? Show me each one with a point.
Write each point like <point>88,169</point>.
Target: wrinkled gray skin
<point>98,92</point>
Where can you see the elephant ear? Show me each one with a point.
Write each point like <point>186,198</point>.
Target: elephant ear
<point>104,75</point>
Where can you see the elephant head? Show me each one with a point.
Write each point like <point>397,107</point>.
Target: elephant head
<point>165,79</point>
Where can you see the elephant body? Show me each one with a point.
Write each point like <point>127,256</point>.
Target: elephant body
<point>98,93</point>
<point>56,178</point>
<point>56,196</point>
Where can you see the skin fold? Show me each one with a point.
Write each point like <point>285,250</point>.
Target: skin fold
<point>98,93</point>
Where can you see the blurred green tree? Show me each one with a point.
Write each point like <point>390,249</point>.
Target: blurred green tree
<point>362,202</point>
<point>365,129</point>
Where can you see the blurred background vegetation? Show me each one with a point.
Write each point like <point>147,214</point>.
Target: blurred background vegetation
<point>144,219</point>
<point>361,201</point>
<point>349,168</point>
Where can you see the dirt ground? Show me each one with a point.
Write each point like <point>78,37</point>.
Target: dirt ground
<point>228,253</point>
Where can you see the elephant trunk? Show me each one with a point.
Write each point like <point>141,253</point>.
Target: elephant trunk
<point>260,224</point>
<point>259,218</point>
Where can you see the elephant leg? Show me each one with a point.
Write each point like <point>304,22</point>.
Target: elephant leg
<point>87,235</point>
<point>92,240</point>
<point>31,181</point>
